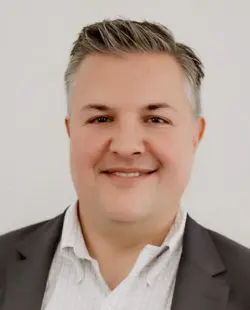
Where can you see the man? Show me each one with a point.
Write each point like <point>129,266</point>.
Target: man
<point>134,122</point>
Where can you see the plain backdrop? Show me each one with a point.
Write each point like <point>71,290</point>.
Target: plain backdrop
<point>36,38</point>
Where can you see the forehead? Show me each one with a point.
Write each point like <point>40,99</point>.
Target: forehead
<point>135,79</point>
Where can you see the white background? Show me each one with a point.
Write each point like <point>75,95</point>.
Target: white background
<point>36,38</point>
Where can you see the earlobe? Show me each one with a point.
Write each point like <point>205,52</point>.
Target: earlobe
<point>199,132</point>
<point>67,125</point>
<point>202,128</point>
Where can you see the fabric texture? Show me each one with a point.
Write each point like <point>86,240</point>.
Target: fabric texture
<point>75,281</point>
<point>213,273</point>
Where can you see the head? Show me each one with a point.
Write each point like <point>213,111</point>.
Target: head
<point>134,120</point>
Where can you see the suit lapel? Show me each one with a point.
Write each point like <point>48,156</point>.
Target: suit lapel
<point>26,275</point>
<point>200,282</point>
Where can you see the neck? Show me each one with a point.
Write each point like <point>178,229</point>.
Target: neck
<point>111,242</point>
<point>119,237</point>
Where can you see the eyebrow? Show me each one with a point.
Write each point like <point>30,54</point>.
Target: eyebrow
<point>106,108</point>
<point>98,107</point>
<point>157,106</point>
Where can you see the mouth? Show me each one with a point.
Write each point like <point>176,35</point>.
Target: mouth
<point>129,173</point>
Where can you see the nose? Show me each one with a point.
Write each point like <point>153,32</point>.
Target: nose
<point>127,140</point>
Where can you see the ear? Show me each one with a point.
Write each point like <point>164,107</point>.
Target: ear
<point>67,125</point>
<point>200,126</point>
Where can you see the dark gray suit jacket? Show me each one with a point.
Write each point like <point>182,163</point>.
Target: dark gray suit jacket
<point>214,272</point>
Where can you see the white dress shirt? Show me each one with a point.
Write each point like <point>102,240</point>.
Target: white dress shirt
<point>75,281</point>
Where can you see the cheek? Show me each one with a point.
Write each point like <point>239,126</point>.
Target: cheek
<point>86,148</point>
<point>176,154</point>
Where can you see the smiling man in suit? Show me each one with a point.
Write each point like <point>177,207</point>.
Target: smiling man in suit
<point>134,123</point>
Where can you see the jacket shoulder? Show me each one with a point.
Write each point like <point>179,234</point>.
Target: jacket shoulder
<point>9,240</point>
<point>231,250</point>
<point>9,243</point>
<point>236,259</point>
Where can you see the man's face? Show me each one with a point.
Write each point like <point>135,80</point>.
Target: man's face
<point>132,135</point>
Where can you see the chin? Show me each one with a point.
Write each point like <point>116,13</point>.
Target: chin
<point>127,212</point>
<point>125,218</point>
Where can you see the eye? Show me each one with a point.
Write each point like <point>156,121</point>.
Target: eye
<point>157,120</point>
<point>101,119</point>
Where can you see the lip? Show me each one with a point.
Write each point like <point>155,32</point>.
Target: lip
<point>142,172</point>
<point>128,180</point>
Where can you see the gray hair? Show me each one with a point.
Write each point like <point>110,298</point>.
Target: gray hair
<point>125,36</point>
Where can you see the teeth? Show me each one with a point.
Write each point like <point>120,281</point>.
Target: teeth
<point>127,174</point>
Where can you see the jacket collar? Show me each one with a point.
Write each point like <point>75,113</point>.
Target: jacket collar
<point>27,271</point>
<point>200,282</point>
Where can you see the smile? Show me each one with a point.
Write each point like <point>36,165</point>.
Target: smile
<point>129,174</point>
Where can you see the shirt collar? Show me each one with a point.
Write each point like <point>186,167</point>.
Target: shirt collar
<point>72,236</point>
<point>175,235</point>
<point>171,246</point>
<point>72,240</point>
